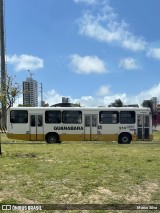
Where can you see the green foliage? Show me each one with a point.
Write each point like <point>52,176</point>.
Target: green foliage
<point>77,105</point>
<point>148,103</point>
<point>25,105</point>
<point>117,103</point>
<point>10,93</point>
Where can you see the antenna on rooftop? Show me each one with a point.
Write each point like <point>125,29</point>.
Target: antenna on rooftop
<point>30,73</point>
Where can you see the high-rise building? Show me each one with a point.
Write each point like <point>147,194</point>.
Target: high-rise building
<point>30,92</point>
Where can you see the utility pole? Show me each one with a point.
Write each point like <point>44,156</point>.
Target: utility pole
<point>3,71</point>
<point>3,68</point>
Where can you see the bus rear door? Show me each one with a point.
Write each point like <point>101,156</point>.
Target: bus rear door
<point>36,127</point>
<point>90,129</point>
<point>143,124</point>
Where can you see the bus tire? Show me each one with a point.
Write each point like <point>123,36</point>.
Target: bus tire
<point>125,138</point>
<point>52,138</point>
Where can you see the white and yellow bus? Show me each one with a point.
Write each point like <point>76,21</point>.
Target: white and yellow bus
<point>56,124</point>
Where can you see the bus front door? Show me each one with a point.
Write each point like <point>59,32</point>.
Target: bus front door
<point>36,127</point>
<point>90,129</point>
<point>143,124</point>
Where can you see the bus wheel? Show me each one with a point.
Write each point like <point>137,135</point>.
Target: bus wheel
<point>52,138</point>
<point>124,138</point>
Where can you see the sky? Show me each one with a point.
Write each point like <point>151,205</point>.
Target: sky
<point>92,51</point>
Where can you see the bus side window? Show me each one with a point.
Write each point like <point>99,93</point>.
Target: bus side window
<point>40,121</point>
<point>53,116</point>
<point>108,117</point>
<point>94,120</point>
<point>72,117</point>
<point>87,120</point>
<point>127,117</point>
<point>33,120</point>
<point>19,116</point>
<point>140,120</point>
<point>146,121</point>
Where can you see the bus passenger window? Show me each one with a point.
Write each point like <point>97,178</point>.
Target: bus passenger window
<point>72,117</point>
<point>94,120</point>
<point>146,121</point>
<point>40,121</point>
<point>19,116</point>
<point>87,120</point>
<point>108,117</point>
<point>140,120</point>
<point>33,120</point>
<point>127,117</point>
<point>53,116</point>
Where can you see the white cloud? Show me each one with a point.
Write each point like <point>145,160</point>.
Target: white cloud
<point>136,99</point>
<point>154,53</point>
<point>106,26</point>
<point>128,63</point>
<point>111,98</point>
<point>133,42</point>
<point>103,90</point>
<point>148,94</point>
<point>87,64</point>
<point>25,62</point>
<point>85,101</point>
<point>53,97</point>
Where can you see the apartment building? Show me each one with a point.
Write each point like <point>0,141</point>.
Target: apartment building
<point>30,92</point>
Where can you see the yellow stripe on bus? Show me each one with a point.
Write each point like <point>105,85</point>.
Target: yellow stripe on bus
<point>71,137</point>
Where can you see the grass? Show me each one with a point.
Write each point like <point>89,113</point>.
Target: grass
<point>156,136</point>
<point>80,172</point>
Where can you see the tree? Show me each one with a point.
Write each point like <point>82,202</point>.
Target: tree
<point>77,105</point>
<point>117,103</point>
<point>24,105</point>
<point>11,93</point>
<point>149,104</point>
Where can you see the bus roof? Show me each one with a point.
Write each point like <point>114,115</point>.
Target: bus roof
<point>83,108</point>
